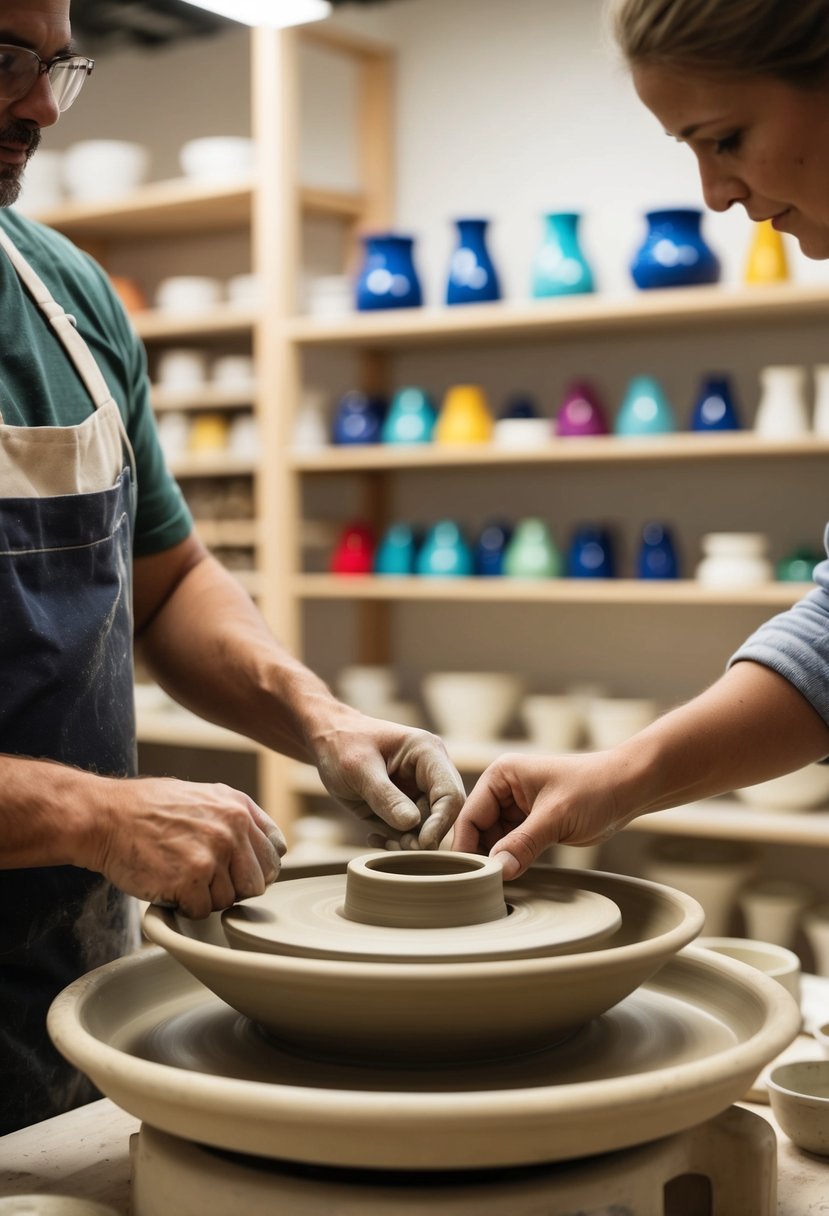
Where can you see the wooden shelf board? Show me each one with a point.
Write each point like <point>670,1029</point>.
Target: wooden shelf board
<point>736,445</point>
<point>213,464</point>
<point>178,728</point>
<point>153,325</point>
<point>681,592</point>
<point>183,205</point>
<point>210,397</point>
<point>721,818</point>
<point>538,319</point>
<point>179,205</point>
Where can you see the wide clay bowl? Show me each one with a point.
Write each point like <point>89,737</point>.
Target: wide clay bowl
<point>417,1012</point>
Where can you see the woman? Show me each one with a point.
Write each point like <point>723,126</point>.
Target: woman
<point>745,83</point>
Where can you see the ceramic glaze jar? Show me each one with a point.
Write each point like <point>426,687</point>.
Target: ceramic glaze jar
<point>734,559</point>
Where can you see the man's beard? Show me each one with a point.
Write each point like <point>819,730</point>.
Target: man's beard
<point>11,176</point>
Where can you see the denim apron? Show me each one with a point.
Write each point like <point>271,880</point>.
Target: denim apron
<point>66,679</point>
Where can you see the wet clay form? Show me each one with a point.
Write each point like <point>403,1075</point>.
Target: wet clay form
<point>466,1062</point>
<point>474,988</point>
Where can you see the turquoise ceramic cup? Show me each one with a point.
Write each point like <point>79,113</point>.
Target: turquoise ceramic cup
<point>445,553</point>
<point>645,410</point>
<point>411,418</point>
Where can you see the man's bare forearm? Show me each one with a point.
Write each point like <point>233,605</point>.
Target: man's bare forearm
<point>47,813</point>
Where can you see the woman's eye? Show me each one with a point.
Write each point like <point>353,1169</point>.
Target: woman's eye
<point>729,144</point>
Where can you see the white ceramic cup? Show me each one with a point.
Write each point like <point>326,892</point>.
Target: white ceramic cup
<point>734,559</point>
<point>233,372</point>
<point>243,438</point>
<point>781,964</point>
<point>474,706</point>
<point>368,687</point>
<point>174,434</point>
<point>554,723</point>
<point>182,370</point>
<point>612,720</point>
<point>772,908</point>
<point>522,432</point>
<point>188,293</point>
<point>244,291</point>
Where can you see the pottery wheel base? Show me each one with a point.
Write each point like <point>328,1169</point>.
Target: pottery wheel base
<point>727,1164</point>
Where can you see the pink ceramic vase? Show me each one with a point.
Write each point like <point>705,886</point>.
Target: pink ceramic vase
<point>581,413</point>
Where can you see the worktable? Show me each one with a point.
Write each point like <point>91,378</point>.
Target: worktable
<point>85,1153</point>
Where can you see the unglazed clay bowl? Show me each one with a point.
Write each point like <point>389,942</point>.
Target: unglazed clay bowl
<point>471,705</point>
<point>801,790</point>
<point>799,1097</point>
<point>425,1011</point>
<point>781,964</point>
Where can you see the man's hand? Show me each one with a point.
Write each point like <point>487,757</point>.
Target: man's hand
<point>399,779</point>
<point>198,847</point>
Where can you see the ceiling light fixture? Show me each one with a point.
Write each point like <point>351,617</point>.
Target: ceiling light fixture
<point>275,13</point>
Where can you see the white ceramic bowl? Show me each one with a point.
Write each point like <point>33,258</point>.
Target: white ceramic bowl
<point>182,370</point>
<point>781,964</point>
<point>554,723</point>
<point>801,790</point>
<point>612,720</point>
<point>98,169</point>
<point>368,687</point>
<point>233,372</point>
<point>522,432</point>
<point>188,293</point>
<point>821,1034</point>
<point>471,705</point>
<point>799,1097</point>
<point>215,158</point>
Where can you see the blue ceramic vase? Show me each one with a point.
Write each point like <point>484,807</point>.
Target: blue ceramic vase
<point>388,278</point>
<point>490,549</point>
<point>590,554</point>
<point>657,557</point>
<point>445,553</point>
<point>674,253</point>
<point>715,408</point>
<point>411,418</point>
<point>397,552</point>
<point>358,418</point>
<point>519,405</point>
<point>472,275</point>
<point>560,267</point>
<point>645,410</point>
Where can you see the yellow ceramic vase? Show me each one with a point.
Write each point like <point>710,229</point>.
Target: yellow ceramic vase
<point>464,416</point>
<point>209,433</point>
<point>767,261</point>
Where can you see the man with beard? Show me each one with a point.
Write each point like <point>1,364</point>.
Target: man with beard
<point>97,548</point>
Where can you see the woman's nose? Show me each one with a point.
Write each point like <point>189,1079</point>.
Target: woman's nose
<point>721,190</point>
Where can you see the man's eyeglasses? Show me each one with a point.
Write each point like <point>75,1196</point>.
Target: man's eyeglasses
<point>20,69</point>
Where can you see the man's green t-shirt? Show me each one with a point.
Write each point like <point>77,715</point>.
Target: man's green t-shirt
<point>40,387</point>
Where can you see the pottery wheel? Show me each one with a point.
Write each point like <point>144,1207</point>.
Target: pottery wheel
<point>308,919</point>
<point>677,1051</point>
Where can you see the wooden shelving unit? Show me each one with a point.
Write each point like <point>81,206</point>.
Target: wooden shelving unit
<point>269,207</point>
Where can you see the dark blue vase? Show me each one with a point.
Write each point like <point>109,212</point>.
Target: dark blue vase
<point>388,278</point>
<point>591,553</point>
<point>657,555</point>
<point>490,547</point>
<point>674,253</point>
<point>715,408</point>
<point>358,418</point>
<point>472,276</point>
<point>519,405</point>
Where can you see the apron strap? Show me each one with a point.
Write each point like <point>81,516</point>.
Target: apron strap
<point>64,326</point>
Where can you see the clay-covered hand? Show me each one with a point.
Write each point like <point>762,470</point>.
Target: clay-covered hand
<point>398,778</point>
<point>523,804</point>
<point>195,846</point>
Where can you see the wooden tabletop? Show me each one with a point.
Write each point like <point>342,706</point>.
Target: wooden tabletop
<point>86,1154</point>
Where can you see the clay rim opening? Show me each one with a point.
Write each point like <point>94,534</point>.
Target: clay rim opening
<point>430,889</point>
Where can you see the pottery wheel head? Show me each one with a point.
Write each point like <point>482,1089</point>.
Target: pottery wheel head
<point>420,906</point>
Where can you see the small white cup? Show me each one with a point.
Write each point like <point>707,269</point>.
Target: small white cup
<point>243,437</point>
<point>174,434</point>
<point>233,372</point>
<point>612,720</point>
<point>181,370</point>
<point>98,169</point>
<point>215,158</point>
<point>244,291</point>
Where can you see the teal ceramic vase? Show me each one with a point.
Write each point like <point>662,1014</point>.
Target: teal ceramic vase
<point>397,551</point>
<point>532,552</point>
<point>645,410</point>
<point>411,418</point>
<point>560,267</point>
<point>445,553</point>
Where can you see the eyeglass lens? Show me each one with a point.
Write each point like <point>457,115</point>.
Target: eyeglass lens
<point>19,70</point>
